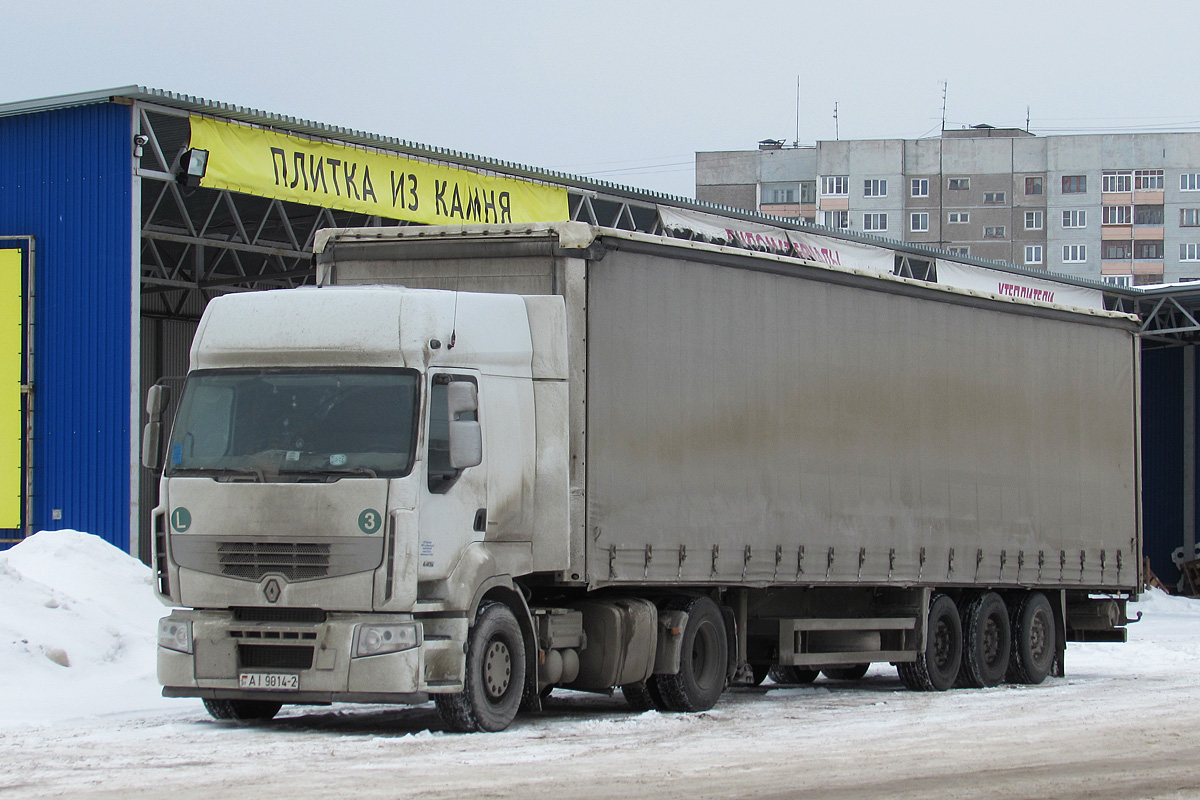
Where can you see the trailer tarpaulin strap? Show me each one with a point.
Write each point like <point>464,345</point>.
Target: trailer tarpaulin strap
<point>810,247</point>
<point>981,279</point>
<point>266,163</point>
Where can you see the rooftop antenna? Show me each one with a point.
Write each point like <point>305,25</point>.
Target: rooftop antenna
<point>836,130</point>
<point>945,86</point>
<point>796,141</point>
<point>1027,119</point>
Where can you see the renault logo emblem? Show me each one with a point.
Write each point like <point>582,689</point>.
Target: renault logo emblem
<point>271,590</point>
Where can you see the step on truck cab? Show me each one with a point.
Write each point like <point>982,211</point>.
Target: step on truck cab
<point>477,464</point>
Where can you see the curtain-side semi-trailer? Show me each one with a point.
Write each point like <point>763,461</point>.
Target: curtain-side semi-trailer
<point>476,464</point>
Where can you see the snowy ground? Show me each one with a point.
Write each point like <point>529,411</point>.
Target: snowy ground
<point>1124,724</point>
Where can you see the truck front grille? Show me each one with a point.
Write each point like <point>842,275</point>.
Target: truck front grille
<point>253,560</point>
<point>274,656</point>
<point>300,559</point>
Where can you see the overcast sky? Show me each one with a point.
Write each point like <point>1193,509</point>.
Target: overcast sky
<point>629,91</point>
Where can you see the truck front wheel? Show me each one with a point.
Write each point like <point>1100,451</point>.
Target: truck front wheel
<point>242,710</point>
<point>703,659</point>
<point>495,675</point>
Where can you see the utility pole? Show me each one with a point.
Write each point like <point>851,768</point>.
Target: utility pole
<point>945,86</point>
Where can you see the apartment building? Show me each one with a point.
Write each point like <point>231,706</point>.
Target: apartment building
<point>1124,208</point>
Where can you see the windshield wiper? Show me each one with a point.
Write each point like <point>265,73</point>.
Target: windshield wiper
<point>221,472</point>
<point>333,473</point>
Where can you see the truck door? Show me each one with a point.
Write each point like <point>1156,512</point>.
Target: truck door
<point>453,510</point>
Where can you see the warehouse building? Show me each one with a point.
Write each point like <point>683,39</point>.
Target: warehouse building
<point>123,211</point>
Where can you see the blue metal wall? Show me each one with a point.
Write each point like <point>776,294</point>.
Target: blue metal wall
<point>65,178</point>
<point>1162,457</point>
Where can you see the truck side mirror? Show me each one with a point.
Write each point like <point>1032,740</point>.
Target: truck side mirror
<point>156,402</point>
<point>466,435</point>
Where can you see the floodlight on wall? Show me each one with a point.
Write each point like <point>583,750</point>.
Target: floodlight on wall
<point>192,166</point>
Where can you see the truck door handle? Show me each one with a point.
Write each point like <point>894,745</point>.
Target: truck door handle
<point>480,520</point>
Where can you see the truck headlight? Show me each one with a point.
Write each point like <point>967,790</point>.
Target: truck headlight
<point>374,640</point>
<point>175,635</point>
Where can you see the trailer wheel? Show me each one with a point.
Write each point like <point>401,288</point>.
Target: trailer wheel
<point>644,695</point>
<point>703,661</point>
<point>495,675</point>
<point>937,665</point>
<point>1034,640</point>
<point>987,641</point>
<point>242,710</point>
<point>852,673</point>
<point>785,673</point>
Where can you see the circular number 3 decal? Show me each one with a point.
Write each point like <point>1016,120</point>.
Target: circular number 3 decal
<point>370,521</point>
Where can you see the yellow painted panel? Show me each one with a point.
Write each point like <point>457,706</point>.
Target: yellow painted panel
<point>319,173</point>
<point>12,423</point>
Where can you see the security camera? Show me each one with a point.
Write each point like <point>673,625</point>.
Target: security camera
<point>139,141</point>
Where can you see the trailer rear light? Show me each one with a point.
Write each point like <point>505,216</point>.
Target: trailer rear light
<point>374,640</point>
<point>175,635</point>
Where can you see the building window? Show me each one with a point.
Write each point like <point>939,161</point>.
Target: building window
<point>875,187</point>
<point>1148,249</point>
<point>874,222</point>
<point>1034,220</point>
<point>918,222</point>
<point>1074,184</point>
<point>1117,215</point>
<point>835,185</point>
<point>994,233</point>
<point>1189,217</point>
<point>994,197</point>
<point>959,217</point>
<point>1074,253</point>
<point>808,191</point>
<point>1117,181</point>
<point>1148,180</point>
<point>1117,250</point>
<point>1189,251</point>
<point>1122,281</point>
<point>1033,254</point>
<point>959,251</point>
<point>920,187</point>
<point>1147,215</point>
<point>956,184</point>
<point>772,193</point>
<point>1075,219</point>
<point>835,219</point>
<point>1033,186</point>
<point>1189,182</point>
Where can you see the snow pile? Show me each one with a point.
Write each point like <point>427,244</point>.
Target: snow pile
<point>77,632</point>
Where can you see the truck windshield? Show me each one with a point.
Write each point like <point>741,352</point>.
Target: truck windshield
<point>293,424</point>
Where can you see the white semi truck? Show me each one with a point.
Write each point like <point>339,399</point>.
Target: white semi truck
<point>476,464</point>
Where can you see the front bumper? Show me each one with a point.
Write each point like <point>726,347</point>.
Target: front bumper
<point>319,654</point>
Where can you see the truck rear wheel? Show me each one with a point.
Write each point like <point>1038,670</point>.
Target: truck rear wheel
<point>1034,637</point>
<point>937,665</point>
<point>644,695</point>
<point>495,675</point>
<point>242,710</point>
<point>785,673</point>
<point>703,660</point>
<point>987,638</point>
<point>852,673</point>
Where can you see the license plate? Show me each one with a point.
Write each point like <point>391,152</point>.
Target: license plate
<point>270,681</point>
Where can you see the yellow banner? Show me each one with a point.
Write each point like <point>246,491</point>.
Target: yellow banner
<point>12,354</point>
<point>284,167</point>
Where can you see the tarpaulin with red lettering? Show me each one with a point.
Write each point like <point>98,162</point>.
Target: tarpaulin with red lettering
<point>982,279</point>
